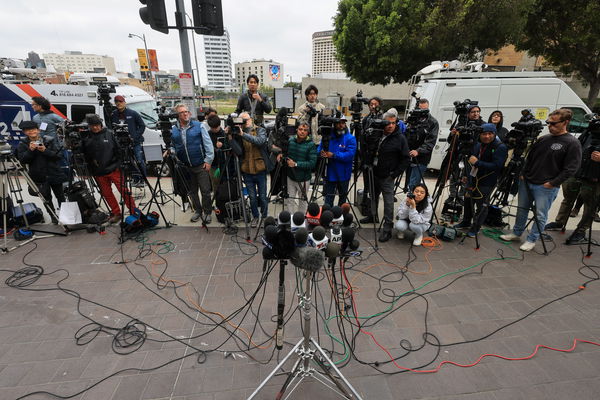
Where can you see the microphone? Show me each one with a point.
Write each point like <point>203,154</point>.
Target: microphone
<point>270,236</point>
<point>338,217</point>
<point>267,253</point>
<point>325,207</point>
<point>335,235</point>
<point>354,245</point>
<point>348,219</point>
<point>269,221</point>
<point>297,221</point>
<point>313,214</point>
<point>284,218</point>
<point>332,250</point>
<point>345,208</point>
<point>326,218</point>
<point>301,236</point>
<point>309,259</point>
<point>317,238</point>
<point>347,237</point>
<point>284,244</point>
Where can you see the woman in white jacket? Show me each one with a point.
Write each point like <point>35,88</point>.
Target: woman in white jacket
<point>414,214</point>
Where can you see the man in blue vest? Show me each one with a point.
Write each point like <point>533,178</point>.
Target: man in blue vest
<point>193,147</point>
<point>136,128</point>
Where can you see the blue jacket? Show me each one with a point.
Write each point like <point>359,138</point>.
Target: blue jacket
<point>198,147</point>
<point>50,119</point>
<point>490,162</point>
<point>135,124</point>
<point>343,147</point>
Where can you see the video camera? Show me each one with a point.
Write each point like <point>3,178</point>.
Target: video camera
<point>327,120</point>
<point>73,134</point>
<point>164,123</point>
<point>527,128</point>
<point>121,132</point>
<point>416,123</point>
<point>468,131</point>
<point>356,102</point>
<point>589,169</point>
<point>234,121</point>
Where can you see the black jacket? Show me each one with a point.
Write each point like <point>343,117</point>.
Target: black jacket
<point>423,139</point>
<point>43,166</point>
<point>392,155</point>
<point>245,104</point>
<point>224,157</point>
<point>490,161</point>
<point>101,152</point>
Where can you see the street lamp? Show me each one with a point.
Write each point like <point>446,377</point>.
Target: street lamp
<point>148,72</point>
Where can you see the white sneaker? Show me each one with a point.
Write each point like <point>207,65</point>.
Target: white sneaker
<point>527,246</point>
<point>509,237</point>
<point>418,240</point>
<point>400,235</point>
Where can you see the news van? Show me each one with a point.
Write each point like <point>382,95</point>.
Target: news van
<point>71,102</point>
<point>510,92</point>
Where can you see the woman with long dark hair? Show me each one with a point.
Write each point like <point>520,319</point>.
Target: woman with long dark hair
<point>414,214</point>
<point>497,118</point>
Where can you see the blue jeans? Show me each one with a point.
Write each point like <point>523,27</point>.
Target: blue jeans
<point>138,152</point>
<point>416,174</point>
<point>543,198</point>
<point>342,189</point>
<point>253,183</point>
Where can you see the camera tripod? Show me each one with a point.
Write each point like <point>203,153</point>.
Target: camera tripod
<point>10,166</point>
<point>307,350</point>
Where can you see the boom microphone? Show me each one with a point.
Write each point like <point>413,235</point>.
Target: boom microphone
<point>309,259</point>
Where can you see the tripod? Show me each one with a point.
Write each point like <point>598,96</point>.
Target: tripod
<point>307,350</point>
<point>9,167</point>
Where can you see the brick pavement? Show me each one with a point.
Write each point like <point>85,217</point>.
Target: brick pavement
<point>38,351</point>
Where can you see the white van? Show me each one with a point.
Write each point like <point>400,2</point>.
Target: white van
<point>509,92</point>
<point>72,102</point>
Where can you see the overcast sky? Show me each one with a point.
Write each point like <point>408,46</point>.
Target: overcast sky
<point>258,29</point>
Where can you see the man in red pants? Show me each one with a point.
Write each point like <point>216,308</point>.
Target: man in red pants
<point>102,155</point>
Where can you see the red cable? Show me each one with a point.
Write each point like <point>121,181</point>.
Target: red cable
<point>427,371</point>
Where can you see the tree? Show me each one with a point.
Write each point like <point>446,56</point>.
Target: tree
<point>566,34</point>
<point>295,85</point>
<point>379,41</point>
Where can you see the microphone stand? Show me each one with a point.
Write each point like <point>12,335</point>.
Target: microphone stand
<point>308,352</point>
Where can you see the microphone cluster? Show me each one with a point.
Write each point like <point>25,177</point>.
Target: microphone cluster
<point>306,238</point>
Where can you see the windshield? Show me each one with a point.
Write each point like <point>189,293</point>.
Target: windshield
<point>146,110</point>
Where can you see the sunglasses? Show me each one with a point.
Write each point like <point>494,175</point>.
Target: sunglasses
<point>552,123</point>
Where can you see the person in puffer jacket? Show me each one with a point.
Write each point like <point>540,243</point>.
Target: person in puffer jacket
<point>414,214</point>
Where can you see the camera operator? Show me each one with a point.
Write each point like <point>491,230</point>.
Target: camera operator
<point>42,155</point>
<point>421,144</point>
<point>47,120</point>
<point>136,128</point>
<point>339,156</point>
<point>254,103</point>
<point>487,159</point>
<point>309,112</point>
<point>585,184</point>
<point>389,161</point>
<point>251,142</point>
<point>375,104</point>
<point>552,159</point>
<point>497,118</point>
<point>207,113</point>
<point>301,160</point>
<point>102,155</point>
<point>223,167</point>
<point>194,148</point>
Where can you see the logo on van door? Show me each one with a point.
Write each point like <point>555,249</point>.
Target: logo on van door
<point>65,93</point>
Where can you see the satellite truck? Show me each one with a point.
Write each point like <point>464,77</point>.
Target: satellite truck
<point>72,102</point>
<point>443,83</point>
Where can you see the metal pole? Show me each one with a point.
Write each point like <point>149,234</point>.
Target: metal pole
<point>148,72</point>
<point>183,38</point>
<point>195,54</point>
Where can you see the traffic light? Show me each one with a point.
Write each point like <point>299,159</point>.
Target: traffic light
<point>208,16</point>
<point>155,15</point>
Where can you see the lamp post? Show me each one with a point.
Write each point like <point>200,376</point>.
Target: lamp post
<point>195,54</point>
<point>148,72</point>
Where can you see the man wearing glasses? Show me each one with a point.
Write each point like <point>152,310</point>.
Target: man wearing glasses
<point>193,147</point>
<point>552,159</point>
<point>136,128</point>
